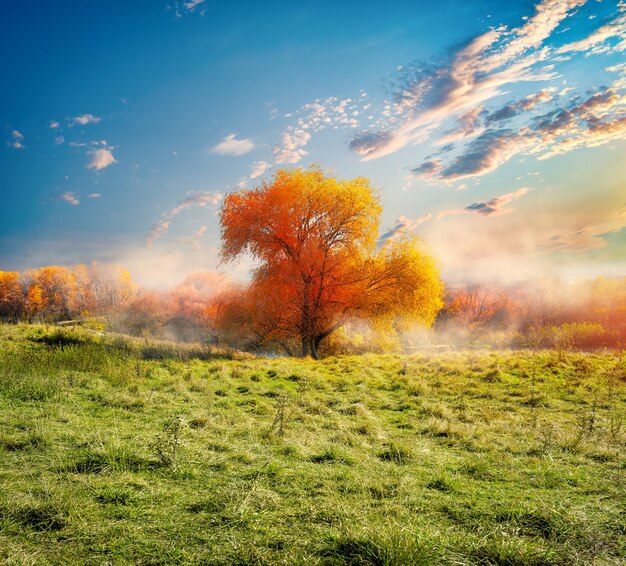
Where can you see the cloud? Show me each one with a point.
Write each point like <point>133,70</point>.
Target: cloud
<point>469,124</point>
<point>514,108</point>
<point>493,207</point>
<point>291,148</point>
<point>160,228</point>
<point>596,120</point>
<point>70,198</point>
<point>313,117</point>
<point>581,239</point>
<point>615,28</point>
<point>428,94</point>
<point>230,145</point>
<point>428,170</point>
<point>101,158</point>
<point>595,135</point>
<point>85,119</point>
<point>54,124</point>
<point>402,225</point>
<point>201,199</point>
<point>496,206</point>
<point>17,140</point>
<point>482,155</point>
<point>182,7</point>
<point>192,4</point>
<point>259,168</point>
<point>94,195</point>
<point>371,144</point>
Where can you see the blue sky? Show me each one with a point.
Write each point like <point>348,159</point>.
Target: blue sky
<point>495,130</point>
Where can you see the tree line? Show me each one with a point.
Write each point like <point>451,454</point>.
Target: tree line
<point>322,281</point>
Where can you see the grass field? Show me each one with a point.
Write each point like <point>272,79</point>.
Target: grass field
<point>116,451</point>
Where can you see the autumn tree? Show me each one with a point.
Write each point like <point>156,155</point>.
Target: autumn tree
<point>479,306</point>
<point>102,287</point>
<point>52,292</point>
<point>12,300</point>
<point>315,239</point>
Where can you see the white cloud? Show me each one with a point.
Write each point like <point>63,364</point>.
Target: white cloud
<point>476,73</point>
<point>615,28</point>
<point>201,199</point>
<point>182,7</point>
<point>94,195</point>
<point>101,158</point>
<point>313,117</point>
<point>85,119</point>
<point>259,168</point>
<point>291,148</point>
<point>54,124</point>
<point>17,140</point>
<point>230,145</point>
<point>70,198</point>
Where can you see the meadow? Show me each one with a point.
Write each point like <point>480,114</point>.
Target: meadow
<point>117,450</point>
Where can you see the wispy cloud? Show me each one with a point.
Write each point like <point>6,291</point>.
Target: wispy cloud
<point>259,168</point>
<point>54,124</point>
<point>230,145</point>
<point>182,7</point>
<point>492,207</point>
<point>590,122</point>
<point>70,198</point>
<point>512,109</point>
<point>94,195</point>
<point>194,239</point>
<point>331,112</point>
<point>596,42</point>
<point>201,199</point>
<point>160,228</point>
<point>402,225</point>
<point>476,73</point>
<point>469,124</point>
<point>17,140</point>
<point>101,158</point>
<point>581,239</point>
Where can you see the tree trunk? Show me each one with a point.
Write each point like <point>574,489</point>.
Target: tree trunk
<point>305,347</point>
<point>317,340</point>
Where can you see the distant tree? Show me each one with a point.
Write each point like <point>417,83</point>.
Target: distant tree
<point>315,239</point>
<point>52,292</point>
<point>478,306</point>
<point>12,300</point>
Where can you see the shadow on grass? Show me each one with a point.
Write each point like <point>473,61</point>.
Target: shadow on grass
<point>47,516</point>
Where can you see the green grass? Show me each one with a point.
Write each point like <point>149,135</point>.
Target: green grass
<point>118,451</point>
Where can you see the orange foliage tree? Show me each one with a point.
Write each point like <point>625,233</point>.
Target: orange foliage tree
<point>314,237</point>
<point>12,301</point>
<point>57,292</point>
<point>52,291</point>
